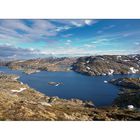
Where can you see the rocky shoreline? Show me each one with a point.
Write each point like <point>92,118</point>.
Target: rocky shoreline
<point>20,102</point>
<point>30,71</point>
<point>129,92</point>
<point>89,65</point>
<point>108,65</point>
<point>47,64</point>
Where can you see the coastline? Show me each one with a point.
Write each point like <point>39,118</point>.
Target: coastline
<point>28,104</point>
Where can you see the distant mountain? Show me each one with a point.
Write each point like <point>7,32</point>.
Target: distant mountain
<point>89,65</point>
<point>49,64</point>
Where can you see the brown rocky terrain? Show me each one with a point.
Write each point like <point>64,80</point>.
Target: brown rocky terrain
<point>19,102</point>
<point>130,92</point>
<point>49,64</point>
<point>92,65</point>
<point>108,64</point>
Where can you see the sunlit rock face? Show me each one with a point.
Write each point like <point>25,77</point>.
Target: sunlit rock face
<point>108,64</point>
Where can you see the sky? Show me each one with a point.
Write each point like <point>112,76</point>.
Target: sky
<point>34,38</point>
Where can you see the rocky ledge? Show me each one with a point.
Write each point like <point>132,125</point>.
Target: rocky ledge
<point>129,92</point>
<point>108,65</point>
<point>20,102</point>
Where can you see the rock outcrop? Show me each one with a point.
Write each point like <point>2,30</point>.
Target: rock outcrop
<point>49,64</point>
<point>19,102</point>
<point>92,65</point>
<point>108,65</point>
<point>130,92</point>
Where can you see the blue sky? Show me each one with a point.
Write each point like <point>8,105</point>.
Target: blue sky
<point>42,38</point>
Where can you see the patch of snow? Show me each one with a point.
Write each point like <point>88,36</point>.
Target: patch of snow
<point>134,56</point>
<point>88,68</point>
<point>110,72</point>
<point>20,90</point>
<point>15,78</point>
<point>130,107</point>
<point>37,71</point>
<point>22,61</point>
<point>45,104</point>
<point>87,61</point>
<point>21,83</point>
<point>120,81</point>
<point>103,74</point>
<point>133,70</point>
<point>118,56</point>
<point>126,60</point>
<point>57,85</point>
<point>102,58</point>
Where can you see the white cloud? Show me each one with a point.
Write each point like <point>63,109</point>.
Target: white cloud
<point>89,46</point>
<point>19,31</point>
<point>67,35</point>
<point>39,29</point>
<point>12,52</point>
<point>109,27</point>
<point>76,24</point>
<point>69,41</point>
<point>137,43</point>
<point>88,21</point>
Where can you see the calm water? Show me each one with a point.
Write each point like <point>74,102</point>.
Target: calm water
<point>75,85</point>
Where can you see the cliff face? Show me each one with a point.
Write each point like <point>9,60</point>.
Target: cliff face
<point>108,64</point>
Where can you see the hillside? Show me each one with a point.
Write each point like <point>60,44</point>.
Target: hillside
<point>108,65</point>
<point>19,102</point>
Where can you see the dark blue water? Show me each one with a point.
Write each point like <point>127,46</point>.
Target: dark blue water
<point>75,85</point>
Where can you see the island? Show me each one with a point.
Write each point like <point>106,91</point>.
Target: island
<point>20,102</point>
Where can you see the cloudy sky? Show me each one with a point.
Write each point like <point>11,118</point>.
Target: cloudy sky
<point>20,39</point>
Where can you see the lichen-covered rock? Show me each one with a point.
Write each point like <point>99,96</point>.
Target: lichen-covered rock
<point>108,65</point>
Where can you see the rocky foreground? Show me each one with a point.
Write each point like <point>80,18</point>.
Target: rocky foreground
<point>108,65</point>
<point>19,102</point>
